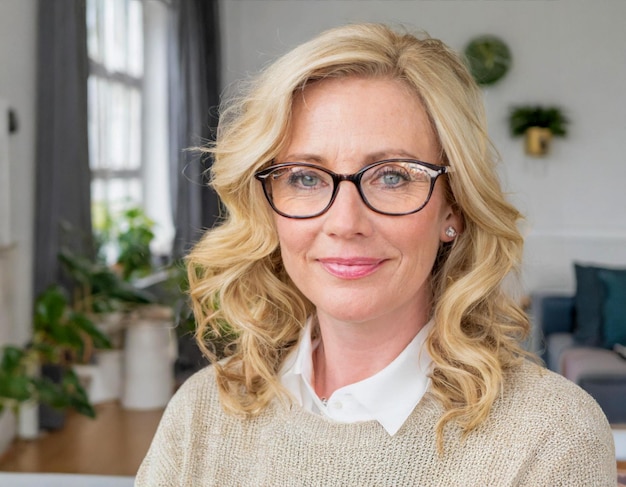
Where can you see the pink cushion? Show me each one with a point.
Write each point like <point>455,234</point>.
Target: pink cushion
<point>580,362</point>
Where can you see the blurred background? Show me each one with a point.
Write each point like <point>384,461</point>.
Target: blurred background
<point>99,100</point>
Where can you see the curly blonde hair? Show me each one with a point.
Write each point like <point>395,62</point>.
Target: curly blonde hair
<point>237,281</point>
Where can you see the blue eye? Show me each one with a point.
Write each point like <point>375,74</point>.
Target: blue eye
<point>308,180</point>
<point>304,179</point>
<point>397,176</point>
<point>392,178</point>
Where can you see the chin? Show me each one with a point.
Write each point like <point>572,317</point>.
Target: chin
<point>351,312</point>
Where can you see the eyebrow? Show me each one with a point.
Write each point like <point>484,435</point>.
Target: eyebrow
<point>373,157</point>
<point>304,157</point>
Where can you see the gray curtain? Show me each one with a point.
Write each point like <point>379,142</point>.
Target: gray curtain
<point>62,206</point>
<point>194,86</point>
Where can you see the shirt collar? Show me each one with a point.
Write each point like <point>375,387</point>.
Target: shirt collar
<point>388,396</point>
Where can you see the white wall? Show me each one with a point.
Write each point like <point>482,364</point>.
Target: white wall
<point>17,85</point>
<point>570,53</point>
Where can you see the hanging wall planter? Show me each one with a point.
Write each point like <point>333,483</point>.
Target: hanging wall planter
<point>538,125</point>
<point>537,141</point>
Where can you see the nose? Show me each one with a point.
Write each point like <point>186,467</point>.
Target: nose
<point>348,216</point>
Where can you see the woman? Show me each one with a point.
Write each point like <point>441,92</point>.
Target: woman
<point>360,267</point>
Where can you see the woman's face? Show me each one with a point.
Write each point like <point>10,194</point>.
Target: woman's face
<point>356,265</point>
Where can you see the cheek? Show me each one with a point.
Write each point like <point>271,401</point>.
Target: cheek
<point>294,240</point>
<point>421,244</point>
<point>419,240</point>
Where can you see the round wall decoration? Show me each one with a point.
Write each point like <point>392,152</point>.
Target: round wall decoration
<point>489,59</point>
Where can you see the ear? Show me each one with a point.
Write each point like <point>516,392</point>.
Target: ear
<point>451,225</point>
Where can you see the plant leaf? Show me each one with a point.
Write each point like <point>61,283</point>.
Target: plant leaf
<point>12,359</point>
<point>16,387</point>
<point>49,308</point>
<point>100,340</point>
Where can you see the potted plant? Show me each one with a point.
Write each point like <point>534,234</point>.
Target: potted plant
<point>124,239</point>
<point>102,294</point>
<point>20,383</point>
<point>62,337</point>
<point>124,282</point>
<point>538,125</point>
<point>134,238</point>
<point>41,372</point>
<point>108,285</point>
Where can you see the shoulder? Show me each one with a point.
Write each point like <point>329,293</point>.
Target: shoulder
<point>553,406</point>
<point>197,399</point>
<point>543,389</point>
<point>564,428</point>
<point>196,396</point>
<point>195,402</point>
<point>199,385</point>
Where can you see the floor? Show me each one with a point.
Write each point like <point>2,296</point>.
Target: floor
<point>113,444</point>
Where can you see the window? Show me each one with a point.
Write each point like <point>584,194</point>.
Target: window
<point>128,115</point>
<point>115,45</point>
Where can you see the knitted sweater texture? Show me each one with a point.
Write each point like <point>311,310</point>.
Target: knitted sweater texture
<point>542,431</point>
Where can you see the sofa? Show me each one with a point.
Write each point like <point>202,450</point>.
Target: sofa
<point>578,334</point>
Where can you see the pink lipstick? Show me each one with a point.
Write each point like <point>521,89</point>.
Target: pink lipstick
<point>350,268</point>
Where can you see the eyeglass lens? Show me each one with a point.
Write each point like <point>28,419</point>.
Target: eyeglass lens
<point>393,188</point>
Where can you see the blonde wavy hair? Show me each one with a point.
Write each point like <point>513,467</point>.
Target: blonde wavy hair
<point>238,285</point>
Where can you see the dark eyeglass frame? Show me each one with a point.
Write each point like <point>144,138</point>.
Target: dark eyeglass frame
<point>435,171</point>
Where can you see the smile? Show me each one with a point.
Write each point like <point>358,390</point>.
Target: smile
<point>353,268</point>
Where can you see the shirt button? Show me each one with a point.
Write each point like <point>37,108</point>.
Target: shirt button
<point>337,405</point>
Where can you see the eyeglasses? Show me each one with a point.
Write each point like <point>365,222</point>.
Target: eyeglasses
<point>390,187</point>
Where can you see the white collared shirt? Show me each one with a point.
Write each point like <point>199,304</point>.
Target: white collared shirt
<point>388,396</point>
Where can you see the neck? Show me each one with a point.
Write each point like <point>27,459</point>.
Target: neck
<point>352,352</point>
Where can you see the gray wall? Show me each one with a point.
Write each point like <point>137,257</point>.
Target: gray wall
<point>570,53</point>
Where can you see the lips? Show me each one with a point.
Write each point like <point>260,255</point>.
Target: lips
<point>350,268</point>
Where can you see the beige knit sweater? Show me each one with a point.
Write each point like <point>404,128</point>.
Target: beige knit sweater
<point>543,431</point>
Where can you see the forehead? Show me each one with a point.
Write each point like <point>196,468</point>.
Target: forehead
<point>343,86</point>
<point>360,118</point>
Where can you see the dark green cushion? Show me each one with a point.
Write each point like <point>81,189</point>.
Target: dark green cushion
<point>614,306</point>
<point>588,305</point>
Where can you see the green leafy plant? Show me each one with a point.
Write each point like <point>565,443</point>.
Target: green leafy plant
<point>99,288</point>
<point>61,337</point>
<point>135,258</point>
<point>521,118</point>
<point>128,235</point>
<point>16,383</point>
<point>20,383</point>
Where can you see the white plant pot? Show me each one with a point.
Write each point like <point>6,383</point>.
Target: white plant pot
<point>103,379</point>
<point>149,355</point>
<point>112,324</point>
<point>28,420</point>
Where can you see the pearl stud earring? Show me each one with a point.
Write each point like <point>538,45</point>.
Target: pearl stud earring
<point>450,232</point>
